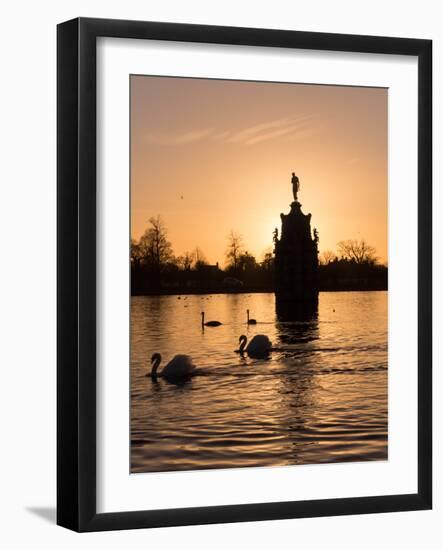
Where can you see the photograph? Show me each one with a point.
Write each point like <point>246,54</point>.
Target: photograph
<point>259,274</point>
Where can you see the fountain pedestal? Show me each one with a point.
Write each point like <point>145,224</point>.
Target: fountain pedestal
<point>296,260</point>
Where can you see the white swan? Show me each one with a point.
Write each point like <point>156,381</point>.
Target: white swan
<point>259,346</point>
<point>209,323</point>
<point>181,366</point>
<point>250,321</point>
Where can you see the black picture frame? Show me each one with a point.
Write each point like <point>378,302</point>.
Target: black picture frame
<point>76,280</point>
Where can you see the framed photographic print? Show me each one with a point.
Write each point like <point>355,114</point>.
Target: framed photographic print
<point>244,274</point>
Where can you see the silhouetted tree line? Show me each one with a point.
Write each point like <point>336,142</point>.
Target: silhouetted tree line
<point>156,270</point>
<point>354,267</point>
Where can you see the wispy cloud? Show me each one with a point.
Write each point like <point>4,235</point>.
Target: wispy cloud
<point>251,135</point>
<point>221,136</point>
<point>306,132</point>
<point>271,130</point>
<point>246,134</point>
<point>275,134</point>
<point>192,136</point>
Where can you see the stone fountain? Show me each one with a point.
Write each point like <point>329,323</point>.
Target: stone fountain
<point>296,258</point>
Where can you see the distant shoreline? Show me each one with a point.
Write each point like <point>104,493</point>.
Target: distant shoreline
<point>191,292</point>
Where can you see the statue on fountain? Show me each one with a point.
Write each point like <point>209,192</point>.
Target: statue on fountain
<point>295,186</point>
<point>296,255</point>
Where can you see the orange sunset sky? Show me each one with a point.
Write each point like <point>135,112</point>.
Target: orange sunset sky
<point>209,156</point>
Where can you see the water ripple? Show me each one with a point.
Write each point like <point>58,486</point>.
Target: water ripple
<point>321,396</point>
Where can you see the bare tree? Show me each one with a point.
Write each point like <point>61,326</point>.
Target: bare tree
<point>136,253</point>
<point>184,262</point>
<point>234,250</point>
<point>358,251</point>
<point>326,257</point>
<point>199,257</point>
<point>188,260</point>
<point>247,262</point>
<point>268,261</point>
<point>156,249</point>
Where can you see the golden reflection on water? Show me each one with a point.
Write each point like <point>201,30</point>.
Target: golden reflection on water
<point>322,397</point>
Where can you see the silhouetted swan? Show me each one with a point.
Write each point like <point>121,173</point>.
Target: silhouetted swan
<point>209,323</point>
<point>181,366</point>
<point>250,321</point>
<point>259,346</point>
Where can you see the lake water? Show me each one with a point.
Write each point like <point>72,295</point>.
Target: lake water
<point>322,397</point>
